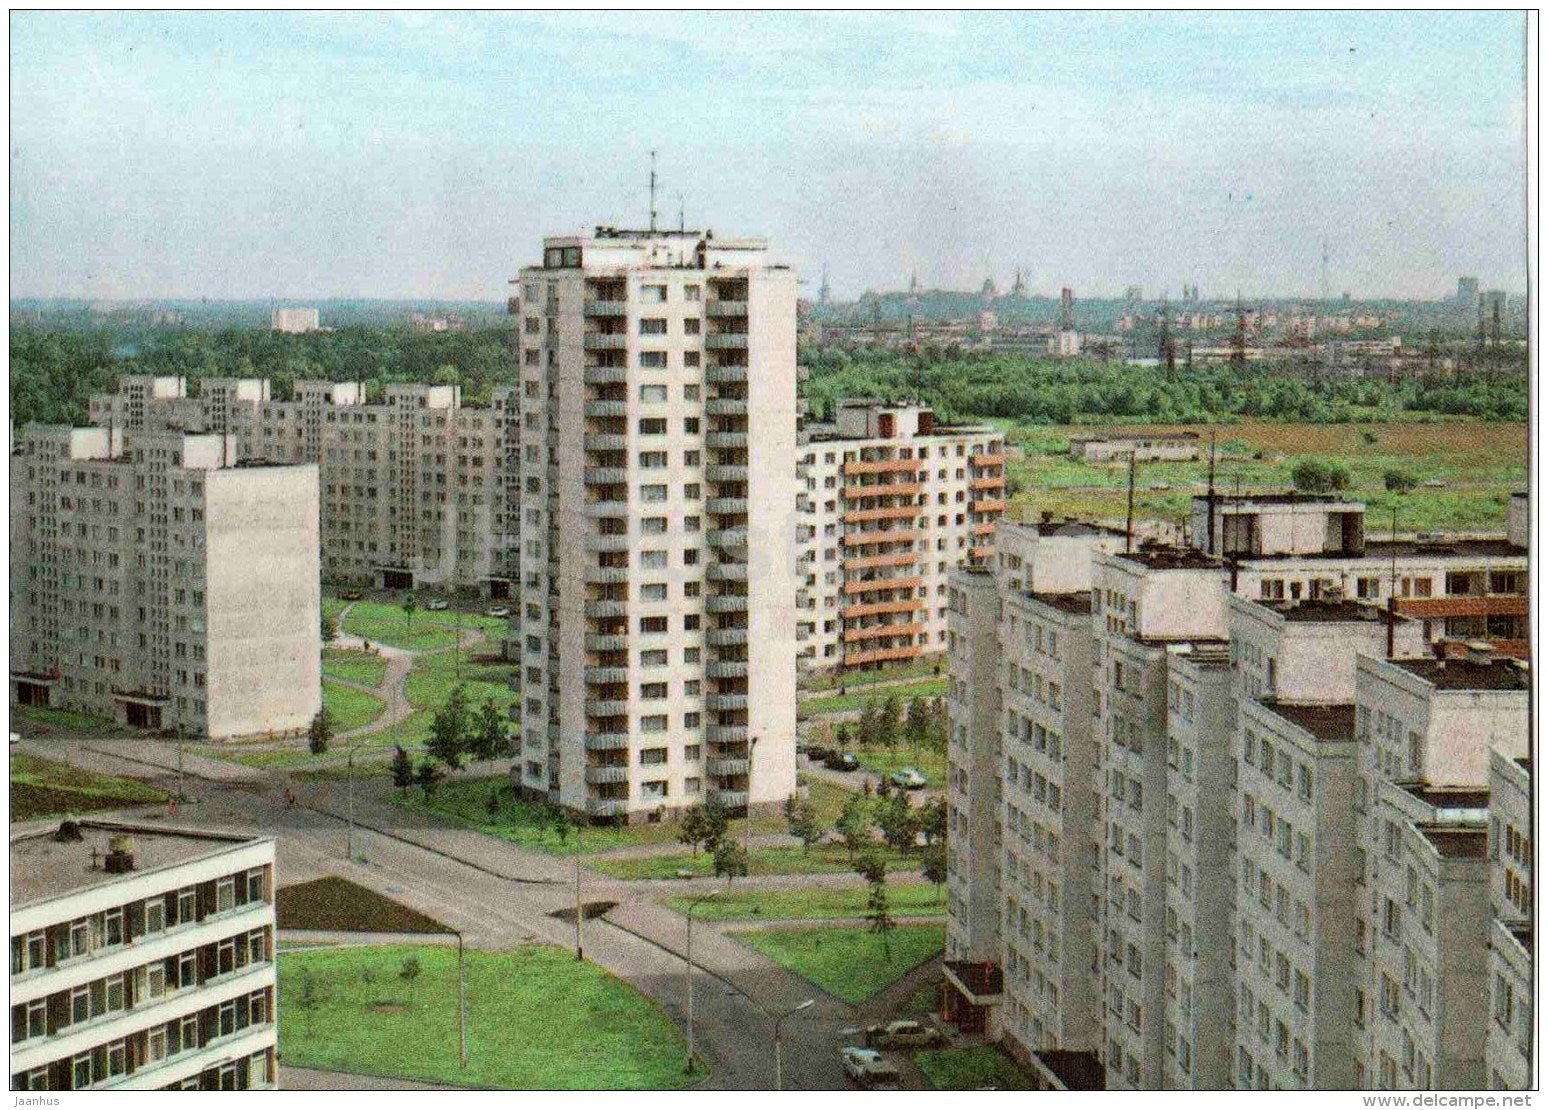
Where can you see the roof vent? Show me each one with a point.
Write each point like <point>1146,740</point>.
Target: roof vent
<point>120,857</point>
<point>68,831</point>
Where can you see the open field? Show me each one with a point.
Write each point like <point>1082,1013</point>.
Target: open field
<point>848,963</point>
<point>1479,462</point>
<point>65,720</point>
<point>857,697</point>
<point>832,680</point>
<point>821,860</point>
<point>431,682</point>
<point>350,708</point>
<point>364,667</point>
<point>43,787</point>
<point>905,900</point>
<point>538,1019</point>
<point>382,623</point>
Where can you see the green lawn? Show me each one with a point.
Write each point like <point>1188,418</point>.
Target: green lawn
<point>850,964</point>
<point>538,1019</point>
<point>45,787</point>
<point>431,682</point>
<point>382,623</point>
<point>832,680</point>
<point>972,1069</point>
<point>931,762</point>
<point>823,859</point>
<point>905,899</point>
<point>857,699</point>
<point>67,719</point>
<point>364,667</point>
<point>349,707</point>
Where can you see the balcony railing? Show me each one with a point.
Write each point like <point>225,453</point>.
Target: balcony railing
<point>726,341</point>
<point>606,776</point>
<point>605,341</point>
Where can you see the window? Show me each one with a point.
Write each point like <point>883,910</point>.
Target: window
<point>653,394</point>
<point>653,691</point>
<point>186,903</point>
<point>653,560</point>
<point>653,326</point>
<point>653,591</point>
<point>653,360</point>
<point>653,426</point>
<point>653,494</point>
<point>257,885</point>
<point>651,757</point>
<point>225,894</point>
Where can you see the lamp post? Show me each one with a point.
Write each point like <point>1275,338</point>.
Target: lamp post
<point>578,952</point>
<point>181,797</point>
<point>752,748</point>
<point>688,974</point>
<point>779,1049</point>
<point>462,1004</point>
<point>349,837</point>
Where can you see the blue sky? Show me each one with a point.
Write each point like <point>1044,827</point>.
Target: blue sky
<point>425,155</point>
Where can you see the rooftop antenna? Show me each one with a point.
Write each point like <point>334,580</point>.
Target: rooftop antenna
<point>1210,545</point>
<point>653,190</point>
<point>1128,528</point>
<point>682,220</point>
<point>1323,289</point>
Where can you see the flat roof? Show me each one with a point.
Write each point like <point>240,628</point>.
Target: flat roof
<point>1172,558</point>
<point>1450,797</point>
<point>1280,497</point>
<point>1342,610</point>
<point>1325,722</point>
<point>1454,842</point>
<point>44,867</point>
<point>1077,601</point>
<point>1115,437</point>
<point>1078,1070</point>
<point>1442,546</point>
<point>1469,674</point>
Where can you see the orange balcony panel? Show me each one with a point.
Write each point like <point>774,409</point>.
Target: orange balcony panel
<point>890,489</point>
<point>891,536</point>
<point>994,481</point>
<point>980,552</point>
<point>877,631</point>
<point>987,506</point>
<point>1435,608</point>
<point>982,461</point>
<point>897,512</point>
<point>894,559</point>
<point>984,528</point>
<point>881,466</point>
<point>878,608</point>
<point>875,585</point>
<point>882,655</point>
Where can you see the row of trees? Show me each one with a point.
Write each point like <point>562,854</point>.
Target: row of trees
<point>886,724</point>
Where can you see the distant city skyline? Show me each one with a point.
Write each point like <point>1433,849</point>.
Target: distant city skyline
<point>424,155</point>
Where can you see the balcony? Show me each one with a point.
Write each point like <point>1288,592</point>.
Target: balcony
<point>600,543</point>
<point>895,512</point>
<point>726,439</point>
<point>726,406</point>
<point>731,799</point>
<point>606,676</point>
<point>994,482</point>
<point>605,341</point>
<point>986,460</point>
<point>606,608</point>
<point>890,489</point>
<point>596,642</point>
<point>718,473</point>
<point>727,537</point>
<point>606,475</point>
<point>980,552</point>
<point>606,308</point>
<point>725,308</point>
<point>726,768</point>
<point>881,655</point>
<point>881,631</point>
<point>726,701</point>
<point>607,408</point>
<point>879,536</point>
<point>726,341</point>
<point>881,608</point>
<point>726,637</point>
<point>607,807</point>
<point>727,603</point>
<point>987,506</point>
<point>605,441</point>
<point>607,776</point>
<point>877,585</point>
<point>606,375</point>
<point>868,562</point>
<point>606,741</point>
<point>727,572</point>
<point>725,375</point>
<point>598,707</point>
<point>727,506</point>
<point>726,734</point>
<point>728,668</point>
<point>882,466</point>
<point>607,576</point>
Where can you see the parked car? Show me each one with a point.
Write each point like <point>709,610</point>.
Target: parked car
<point>841,761</point>
<point>903,1034</point>
<point>909,778</point>
<point>817,752</point>
<point>865,1067</point>
<point>497,611</point>
<point>352,595</point>
<point>436,604</point>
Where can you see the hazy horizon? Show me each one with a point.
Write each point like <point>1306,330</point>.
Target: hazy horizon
<point>404,156</point>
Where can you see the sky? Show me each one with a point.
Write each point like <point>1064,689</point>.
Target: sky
<point>424,156</point>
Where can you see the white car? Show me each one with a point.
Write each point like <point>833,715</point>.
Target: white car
<point>500,612</point>
<point>867,1068</point>
<point>436,604</point>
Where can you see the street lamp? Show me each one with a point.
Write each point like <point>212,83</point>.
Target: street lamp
<point>752,748</point>
<point>779,1050</point>
<point>578,953</point>
<point>688,973</point>
<point>349,840</point>
<point>462,1004</point>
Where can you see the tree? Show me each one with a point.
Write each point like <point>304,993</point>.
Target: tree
<point>869,725</point>
<point>330,627</point>
<point>932,866</point>
<point>801,816</point>
<point>409,971</point>
<point>853,824</point>
<point>410,607</point>
<point>897,821</point>
<point>889,725</point>
<point>428,776</point>
<point>717,822</point>
<point>491,740</point>
<point>730,859</point>
<point>402,769</point>
<point>319,733</point>
<point>1400,481</point>
<point>691,829</point>
<point>878,912</point>
<point>449,730</point>
<point>916,726</point>
<point>561,826</point>
<point>931,819</point>
<point>1317,476</point>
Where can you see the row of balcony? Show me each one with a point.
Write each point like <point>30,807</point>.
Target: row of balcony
<point>725,375</point>
<point>881,631</point>
<point>725,308</point>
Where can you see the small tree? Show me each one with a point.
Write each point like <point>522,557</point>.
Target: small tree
<point>491,739</point>
<point>561,826</point>
<point>717,822</point>
<point>492,804</point>
<point>409,971</point>
<point>1318,476</point>
<point>449,730</point>
<point>402,769</point>
<point>330,627</point>
<point>889,724</point>
<point>801,815</point>
<point>878,912</point>
<point>932,866</point>
<point>691,829</point>
<point>730,859</point>
<point>916,726</point>
<point>428,776</point>
<point>852,824</point>
<point>869,726</point>
<point>897,821</point>
<point>319,734</point>
<point>931,820</point>
<point>1400,481</point>
<point>410,607</point>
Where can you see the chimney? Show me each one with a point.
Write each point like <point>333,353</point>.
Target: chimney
<point>120,857</point>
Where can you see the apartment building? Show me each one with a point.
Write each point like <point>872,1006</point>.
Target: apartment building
<point>160,581</point>
<point>1509,1037</point>
<point>657,500</point>
<point>142,958</point>
<point>1427,730</point>
<point>294,321</point>
<point>892,502</point>
<point>412,485</point>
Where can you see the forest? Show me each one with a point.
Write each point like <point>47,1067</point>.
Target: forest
<point>54,373</point>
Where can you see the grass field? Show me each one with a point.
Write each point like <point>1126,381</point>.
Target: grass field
<point>538,1019</point>
<point>821,860</point>
<point>66,720</point>
<point>431,682</point>
<point>1479,462</point>
<point>44,787</point>
<point>364,667</point>
<point>428,630</point>
<point>905,899</point>
<point>857,698</point>
<point>850,964</point>
<point>930,762</point>
<point>349,707</point>
<point>918,668</point>
<point>982,1067</point>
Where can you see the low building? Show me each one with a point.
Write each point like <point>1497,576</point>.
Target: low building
<point>1122,446</point>
<point>142,958</point>
<point>1508,1040</point>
